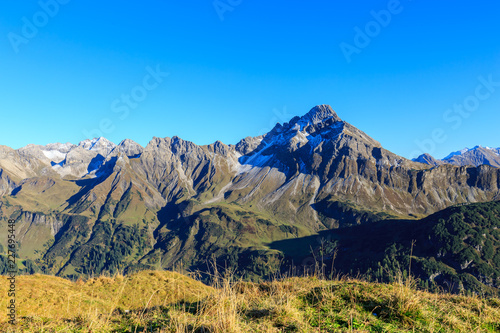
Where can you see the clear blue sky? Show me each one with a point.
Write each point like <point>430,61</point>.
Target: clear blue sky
<point>235,70</point>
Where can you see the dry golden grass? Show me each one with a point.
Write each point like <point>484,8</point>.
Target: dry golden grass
<point>44,302</point>
<point>171,302</point>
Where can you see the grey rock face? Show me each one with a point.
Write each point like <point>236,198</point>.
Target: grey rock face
<point>130,148</point>
<point>6,184</point>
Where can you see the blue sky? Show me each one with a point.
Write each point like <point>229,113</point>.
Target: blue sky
<point>415,78</point>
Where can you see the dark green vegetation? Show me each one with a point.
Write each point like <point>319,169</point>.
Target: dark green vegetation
<point>457,249</point>
<point>179,236</point>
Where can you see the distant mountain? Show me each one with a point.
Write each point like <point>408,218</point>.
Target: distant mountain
<point>99,207</point>
<point>428,159</point>
<point>476,156</point>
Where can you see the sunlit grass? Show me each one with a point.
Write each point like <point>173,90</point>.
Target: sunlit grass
<point>161,301</point>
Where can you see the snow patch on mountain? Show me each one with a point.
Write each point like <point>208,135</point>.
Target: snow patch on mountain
<point>54,155</point>
<point>97,144</point>
<point>457,153</point>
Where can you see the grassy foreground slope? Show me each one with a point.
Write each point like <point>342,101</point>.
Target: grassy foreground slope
<point>163,301</point>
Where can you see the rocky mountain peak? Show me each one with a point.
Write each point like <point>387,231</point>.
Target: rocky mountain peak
<point>319,117</point>
<point>98,144</point>
<point>320,113</point>
<point>427,159</point>
<point>174,144</point>
<point>218,147</point>
<point>128,143</point>
<point>129,148</point>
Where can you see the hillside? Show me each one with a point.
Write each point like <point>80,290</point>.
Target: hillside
<point>97,207</point>
<point>170,302</point>
<point>457,249</point>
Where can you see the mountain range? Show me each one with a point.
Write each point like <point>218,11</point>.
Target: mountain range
<point>475,157</point>
<point>97,207</point>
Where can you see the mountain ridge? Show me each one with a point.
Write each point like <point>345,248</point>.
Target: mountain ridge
<point>475,157</point>
<point>101,207</point>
